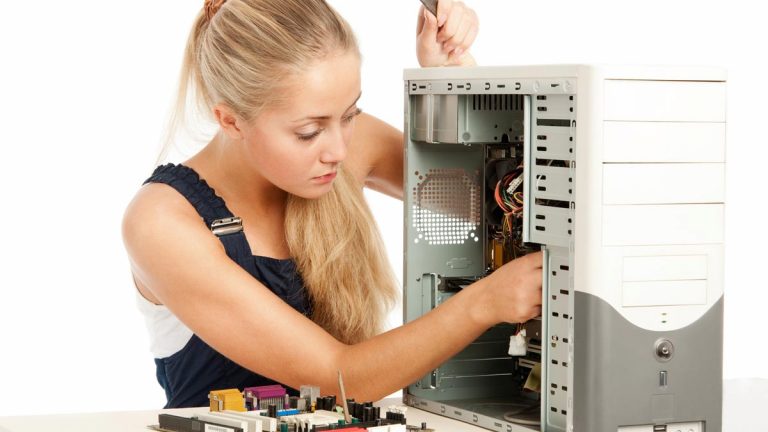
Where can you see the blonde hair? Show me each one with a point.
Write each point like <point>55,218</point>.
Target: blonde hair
<point>240,55</point>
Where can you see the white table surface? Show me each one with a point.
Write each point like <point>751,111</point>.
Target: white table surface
<point>137,421</point>
<point>745,403</point>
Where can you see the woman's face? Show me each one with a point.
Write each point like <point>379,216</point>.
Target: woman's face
<point>298,146</point>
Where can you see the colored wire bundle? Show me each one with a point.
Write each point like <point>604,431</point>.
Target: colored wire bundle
<point>510,201</point>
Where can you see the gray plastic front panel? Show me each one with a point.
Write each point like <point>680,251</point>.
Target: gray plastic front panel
<point>617,376</point>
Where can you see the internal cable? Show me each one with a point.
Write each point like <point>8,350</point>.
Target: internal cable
<point>511,416</point>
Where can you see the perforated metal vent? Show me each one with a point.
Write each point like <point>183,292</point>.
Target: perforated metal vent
<point>446,207</point>
<point>486,102</point>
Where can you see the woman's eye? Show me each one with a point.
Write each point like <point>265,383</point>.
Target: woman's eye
<point>310,136</point>
<point>350,117</point>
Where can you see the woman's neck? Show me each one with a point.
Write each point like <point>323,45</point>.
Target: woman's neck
<point>221,165</point>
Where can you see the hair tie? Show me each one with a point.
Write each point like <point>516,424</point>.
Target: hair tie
<point>211,7</point>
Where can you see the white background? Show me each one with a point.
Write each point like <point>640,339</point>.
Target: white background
<point>84,90</point>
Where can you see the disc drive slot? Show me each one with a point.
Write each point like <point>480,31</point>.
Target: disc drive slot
<point>643,142</point>
<point>676,101</point>
<point>637,225</point>
<point>669,183</point>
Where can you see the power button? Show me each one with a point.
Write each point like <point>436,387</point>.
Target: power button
<point>664,350</point>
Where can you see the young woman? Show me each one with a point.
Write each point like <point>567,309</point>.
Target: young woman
<point>299,288</point>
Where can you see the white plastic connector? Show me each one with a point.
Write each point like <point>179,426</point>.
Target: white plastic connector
<point>223,420</point>
<point>514,185</point>
<point>268,424</point>
<point>400,409</point>
<point>518,346</point>
<point>254,424</point>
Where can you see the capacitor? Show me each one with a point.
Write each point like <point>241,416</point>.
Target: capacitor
<point>272,411</point>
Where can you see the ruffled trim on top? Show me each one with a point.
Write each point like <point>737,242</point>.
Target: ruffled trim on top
<point>187,181</point>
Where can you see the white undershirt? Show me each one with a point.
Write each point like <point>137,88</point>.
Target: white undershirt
<point>167,335</point>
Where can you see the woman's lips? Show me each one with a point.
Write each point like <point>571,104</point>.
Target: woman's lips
<point>325,178</point>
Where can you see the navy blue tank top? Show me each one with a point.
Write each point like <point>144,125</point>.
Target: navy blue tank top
<point>188,375</point>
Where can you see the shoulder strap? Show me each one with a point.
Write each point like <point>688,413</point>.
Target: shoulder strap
<point>211,208</point>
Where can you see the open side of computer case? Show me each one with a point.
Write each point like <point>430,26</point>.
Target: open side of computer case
<point>617,175</point>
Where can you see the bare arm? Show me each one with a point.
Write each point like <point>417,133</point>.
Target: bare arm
<point>186,268</point>
<point>377,156</point>
<point>377,159</point>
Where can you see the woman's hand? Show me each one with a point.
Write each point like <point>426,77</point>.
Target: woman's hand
<point>445,40</point>
<point>510,294</point>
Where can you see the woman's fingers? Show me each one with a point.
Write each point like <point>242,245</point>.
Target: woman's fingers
<point>459,32</point>
<point>446,39</point>
<point>444,9</point>
<point>451,23</point>
<point>457,39</point>
<point>428,26</point>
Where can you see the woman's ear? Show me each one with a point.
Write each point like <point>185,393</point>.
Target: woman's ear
<point>231,123</point>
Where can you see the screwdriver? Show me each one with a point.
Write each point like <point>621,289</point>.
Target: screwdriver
<point>431,6</point>
<point>347,417</point>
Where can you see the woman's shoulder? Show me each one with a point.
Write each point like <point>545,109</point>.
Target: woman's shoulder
<point>159,213</point>
<point>158,201</point>
<point>169,194</point>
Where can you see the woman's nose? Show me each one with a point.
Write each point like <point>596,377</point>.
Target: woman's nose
<point>335,150</point>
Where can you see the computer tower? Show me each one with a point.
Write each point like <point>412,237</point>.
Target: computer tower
<point>618,175</point>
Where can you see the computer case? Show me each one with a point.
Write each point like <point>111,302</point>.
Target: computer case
<point>623,174</point>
